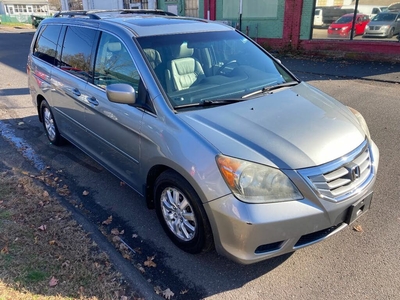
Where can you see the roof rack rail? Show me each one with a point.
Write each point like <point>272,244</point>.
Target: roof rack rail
<point>76,13</point>
<point>147,11</point>
<point>93,14</point>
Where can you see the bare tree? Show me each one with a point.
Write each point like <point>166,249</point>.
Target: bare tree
<point>55,4</point>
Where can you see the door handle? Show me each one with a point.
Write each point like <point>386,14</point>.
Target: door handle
<point>76,92</point>
<point>93,101</point>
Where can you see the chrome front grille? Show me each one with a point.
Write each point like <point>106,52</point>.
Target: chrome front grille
<point>340,179</point>
<point>374,27</point>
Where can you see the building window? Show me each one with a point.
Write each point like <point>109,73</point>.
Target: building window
<point>337,19</point>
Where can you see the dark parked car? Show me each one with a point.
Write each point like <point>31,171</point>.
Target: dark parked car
<point>37,19</point>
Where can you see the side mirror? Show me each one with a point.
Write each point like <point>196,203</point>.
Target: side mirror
<point>121,93</point>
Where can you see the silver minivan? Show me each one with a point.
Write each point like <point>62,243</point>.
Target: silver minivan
<point>230,148</point>
<point>385,24</point>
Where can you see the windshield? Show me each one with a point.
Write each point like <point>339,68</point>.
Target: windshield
<point>384,17</point>
<point>344,20</point>
<point>197,67</point>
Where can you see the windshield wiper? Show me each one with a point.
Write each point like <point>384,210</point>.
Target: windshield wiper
<point>271,88</point>
<point>209,103</point>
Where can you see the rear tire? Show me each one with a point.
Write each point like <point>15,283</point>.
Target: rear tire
<point>49,124</point>
<point>181,213</point>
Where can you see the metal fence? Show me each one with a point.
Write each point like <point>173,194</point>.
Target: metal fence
<point>26,19</point>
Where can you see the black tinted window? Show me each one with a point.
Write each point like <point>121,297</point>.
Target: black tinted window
<point>77,51</point>
<point>46,44</point>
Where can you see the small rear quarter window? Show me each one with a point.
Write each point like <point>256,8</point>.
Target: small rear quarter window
<point>46,45</point>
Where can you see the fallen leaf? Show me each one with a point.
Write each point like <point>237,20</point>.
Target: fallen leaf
<point>168,294</point>
<point>149,262</point>
<point>63,191</point>
<point>53,242</point>
<point>122,232</point>
<point>122,183</point>
<point>42,227</point>
<point>158,290</point>
<point>108,221</point>
<point>4,250</point>
<point>116,239</point>
<point>358,228</point>
<point>53,281</point>
<point>134,235</point>
<point>123,247</point>
<point>184,292</point>
<point>85,193</point>
<point>65,264</point>
<point>115,231</point>
<point>138,250</point>
<point>142,270</point>
<point>45,194</point>
<point>20,123</point>
<point>126,256</point>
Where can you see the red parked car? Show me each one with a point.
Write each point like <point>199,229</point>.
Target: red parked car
<point>342,26</point>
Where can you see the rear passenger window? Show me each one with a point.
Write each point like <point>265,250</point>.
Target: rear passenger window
<point>114,64</point>
<point>46,45</point>
<point>77,51</point>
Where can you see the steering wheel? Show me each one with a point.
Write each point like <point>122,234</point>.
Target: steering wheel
<point>226,68</point>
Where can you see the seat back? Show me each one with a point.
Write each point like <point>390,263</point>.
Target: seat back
<point>153,56</point>
<point>184,70</point>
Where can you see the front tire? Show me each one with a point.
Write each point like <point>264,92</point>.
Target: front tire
<point>391,33</point>
<point>181,213</point>
<point>49,124</point>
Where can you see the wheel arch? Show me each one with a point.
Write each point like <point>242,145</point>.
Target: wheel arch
<point>39,100</point>
<point>156,170</point>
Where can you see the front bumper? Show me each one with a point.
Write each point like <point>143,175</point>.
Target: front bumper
<point>248,233</point>
<point>376,33</point>
<point>338,33</point>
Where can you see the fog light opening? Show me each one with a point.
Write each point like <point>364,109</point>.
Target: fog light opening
<point>268,247</point>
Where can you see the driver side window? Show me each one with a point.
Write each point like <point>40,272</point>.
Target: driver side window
<point>114,63</point>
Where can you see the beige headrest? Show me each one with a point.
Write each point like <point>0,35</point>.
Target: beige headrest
<point>182,51</point>
<point>114,46</point>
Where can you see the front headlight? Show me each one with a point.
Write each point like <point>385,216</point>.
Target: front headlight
<point>255,183</point>
<point>345,28</point>
<point>361,121</point>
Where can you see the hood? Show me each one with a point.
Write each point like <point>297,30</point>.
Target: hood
<point>380,23</point>
<point>335,25</point>
<point>293,128</point>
